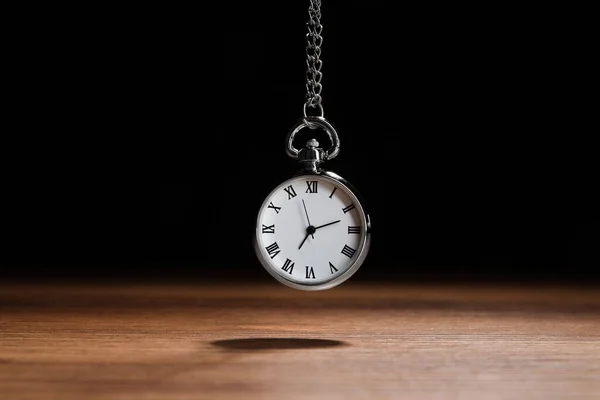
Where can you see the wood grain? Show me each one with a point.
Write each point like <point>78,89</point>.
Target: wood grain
<point>355,341</point>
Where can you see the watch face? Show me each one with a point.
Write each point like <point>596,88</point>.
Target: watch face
<point>312,232</point>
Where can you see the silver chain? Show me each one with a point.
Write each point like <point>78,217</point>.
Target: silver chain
<point>314,40</point>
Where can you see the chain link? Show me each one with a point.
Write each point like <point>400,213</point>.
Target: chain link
<point>314,40</point>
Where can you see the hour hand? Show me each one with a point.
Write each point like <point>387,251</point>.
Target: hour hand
<point>303,240</point>
<point>309,231</point>
<point>330,223</point>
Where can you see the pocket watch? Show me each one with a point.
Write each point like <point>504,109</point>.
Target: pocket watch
<point>313,230</point>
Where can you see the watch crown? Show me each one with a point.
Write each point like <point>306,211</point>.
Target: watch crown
<point>312,143</point>
<point>311,155</point>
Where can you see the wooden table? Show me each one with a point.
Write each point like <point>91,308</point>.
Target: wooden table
<point>265,341</point>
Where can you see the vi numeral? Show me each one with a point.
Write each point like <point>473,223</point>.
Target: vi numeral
<point>310,273</point>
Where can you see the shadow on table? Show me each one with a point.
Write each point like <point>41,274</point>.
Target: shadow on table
<point>261,344</point>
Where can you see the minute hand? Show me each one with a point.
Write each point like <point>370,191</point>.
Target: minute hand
<point>331,223</point>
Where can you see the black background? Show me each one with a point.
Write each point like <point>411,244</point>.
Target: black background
<point>148,138</point>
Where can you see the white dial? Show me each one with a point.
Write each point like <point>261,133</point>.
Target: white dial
<point>312,232</point>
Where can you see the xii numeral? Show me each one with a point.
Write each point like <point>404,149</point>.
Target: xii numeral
<point>312,186</point>
<point>310,273</point>
<point>268,229</point>
<point>348,251</point>
<point>290,191</point>
<point>348,208</point>
<point>273,250</point>
<point>353,230</point>
<point>274,207</point>
<point>288,266</point>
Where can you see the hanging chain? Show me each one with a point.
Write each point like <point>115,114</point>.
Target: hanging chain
<point>312,155</point>
<point>314,40</point>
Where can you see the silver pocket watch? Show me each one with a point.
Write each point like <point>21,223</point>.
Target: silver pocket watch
<point>312,230</point>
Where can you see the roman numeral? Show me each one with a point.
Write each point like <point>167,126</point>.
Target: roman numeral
<point>332,268</point>
<point>312,186</point>
<point>353,229</point>
<point>274,207</point>
<point>268,229</point>
<point>290,191</point>
<point>288,266</point>
<point>273,250</point>
<point>310,272</point>
<point>348,251</point>
<point>348,208</point>
<point>331,195</point>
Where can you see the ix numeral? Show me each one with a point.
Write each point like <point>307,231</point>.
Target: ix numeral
<point>273,250</point>
<point>268,229</point>
<point>290,191</point>
<point>348,208</point>
<point>288,266</point>
<point>353,230</point>
<point>312,186</point>
<point>274,207</point>
<point>310,272</point>
<point>348,251</point>
<point>332,268</point>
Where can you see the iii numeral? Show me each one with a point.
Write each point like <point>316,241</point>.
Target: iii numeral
<point>273,250</point>
<point>348,208</point>
<point>312,186</point>
<point>268,229</point>
<point>348,251</point>
<point>353,230</point>
<point>288,266</point>
<point>290,191</point>
<point>310,272</point>
<point>332,268</point>
<point>274,207</point>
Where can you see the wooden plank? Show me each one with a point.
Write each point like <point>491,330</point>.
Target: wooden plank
<point>254,341</point>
